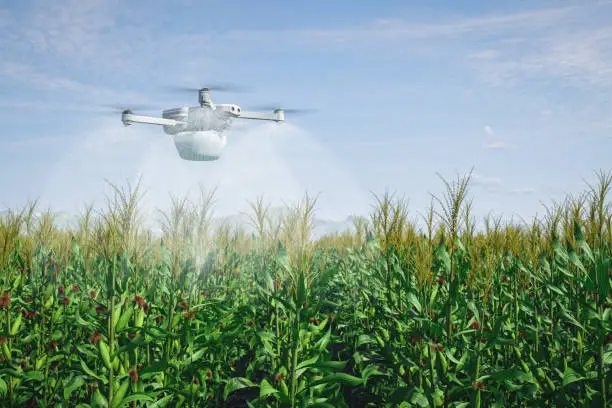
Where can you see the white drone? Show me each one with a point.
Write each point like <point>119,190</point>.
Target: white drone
<point>198,131</point>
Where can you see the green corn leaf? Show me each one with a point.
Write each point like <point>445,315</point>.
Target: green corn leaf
<point>443,258</point>
<point>80,322</point>
<point>89,372</point>
<point>602,270</point>
<point>367,372</point>
<point>472,307</point>
<point>572,320</point>
<point>308,363</point>
<point>574,260</point>
<point>124,318</point>
<point>265,389</point>
<point>324,341</point>
<point>98,400</point>
<point>582,244</point>
<point>120,394</point>
<point>556,289</point>
<point>414,301</point>
<point>72,384</point>
<point>137,397</point>
<point>16,325</point>
<point>339,378</point>
<point>162,403</point>
<point>570,376</point>
<point>511,374</point>
<point>236,383</point>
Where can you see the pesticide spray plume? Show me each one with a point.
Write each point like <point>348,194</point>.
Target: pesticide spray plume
<point>279,163</point>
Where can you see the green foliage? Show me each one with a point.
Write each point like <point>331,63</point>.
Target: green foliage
<point>105,316</point>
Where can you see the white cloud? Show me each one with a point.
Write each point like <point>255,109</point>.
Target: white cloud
<point>5,17</point>
<point>562,43</point>
<point>497,146</point>
<point>494,144</point>
<point>488,183</point>
<point>71,28</point>
<point>102,37</point>
<point>88,33</point>
<point>30,142</point>
<point>398,30</point>
<point>493,184</point>
<point>581,56</point>
<point>522,191</point>
<point>42,105</point>
<point>25,74</point>
<point>485,55</point>
<point>574,48</point>
<point>547,112</point>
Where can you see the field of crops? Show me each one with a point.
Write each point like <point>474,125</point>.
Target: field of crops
<point>397,313</point>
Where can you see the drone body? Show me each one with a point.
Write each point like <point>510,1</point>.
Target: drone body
<point>198,131</point>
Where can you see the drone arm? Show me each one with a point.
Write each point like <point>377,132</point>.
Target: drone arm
<point>128,119</point>
<point>277,116</point>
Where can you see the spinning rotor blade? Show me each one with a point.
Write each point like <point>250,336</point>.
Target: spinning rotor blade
<point>119,109</point>
<point>218,87</point>
<point>138,107</point>
<point>289,111</point>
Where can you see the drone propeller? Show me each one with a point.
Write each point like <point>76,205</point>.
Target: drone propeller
<point>118,109</point>
<point>139,107</point>
<point>289,111</point>
<point>219,87</point>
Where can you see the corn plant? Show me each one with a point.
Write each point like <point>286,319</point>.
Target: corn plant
<point>397,313</point>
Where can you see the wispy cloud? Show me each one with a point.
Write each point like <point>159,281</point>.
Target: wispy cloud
<point>5,17</point>
<point>18,73</point>
<point>99,36</point>
<point>522,191</point>
<point>497,146</point>
<point>399,30</point>
<point>576,49</point>
<point>71,28</point>
<point>492,142</point>
<point>582,56</point>
<point>538,43</point>
<point>31,142</point>
<point>54,33</point>
<point>488,183</point>
<point>572,43</point>
<point>90,31</point>
<point>577,61</point>
<point>13,105</point>
<point>495,185</point>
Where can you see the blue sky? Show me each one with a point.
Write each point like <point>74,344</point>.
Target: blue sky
<point>519,90</point>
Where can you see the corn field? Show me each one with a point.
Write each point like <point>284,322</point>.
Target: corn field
<point>395,313</point>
